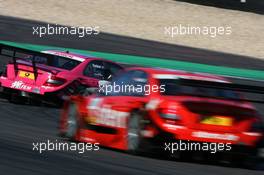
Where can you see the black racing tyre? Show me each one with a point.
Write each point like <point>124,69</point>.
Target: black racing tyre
<point>75,88</point>
<point>134,136</point>
<point>72,122</point>
<point>16,99</point>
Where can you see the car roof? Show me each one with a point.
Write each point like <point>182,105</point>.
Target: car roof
<point>66,54</point>
<point>162,73</point>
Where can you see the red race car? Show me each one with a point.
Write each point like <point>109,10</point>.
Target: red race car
<point>167,109</point>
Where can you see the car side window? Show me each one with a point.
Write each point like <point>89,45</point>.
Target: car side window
<point>111,70</point>
<point>138,84</point>
<point>131,83</point>
<point>95,69</point>
<point>115,87</point>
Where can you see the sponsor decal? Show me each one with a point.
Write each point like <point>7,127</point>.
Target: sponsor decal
<point>208,135</point>
<point>47,87</point>
<point>28,75</point>
<point>106,116</point>
<point>94,104</point>
<point>98,66</point>
<point>66,55</point>
<point>218,120</point>
<point>173,127</point>
<point>110,117</point>
<point>20,85</point>
<point>152,104</point>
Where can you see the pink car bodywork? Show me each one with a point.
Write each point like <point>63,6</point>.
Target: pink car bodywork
<point>21,76</point>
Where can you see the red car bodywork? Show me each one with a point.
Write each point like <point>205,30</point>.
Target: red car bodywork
<point>110,114</point>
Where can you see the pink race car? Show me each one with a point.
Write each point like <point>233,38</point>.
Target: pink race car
<point>52,74</point>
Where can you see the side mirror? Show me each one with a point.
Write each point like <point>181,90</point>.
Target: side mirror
<point>107,75</point>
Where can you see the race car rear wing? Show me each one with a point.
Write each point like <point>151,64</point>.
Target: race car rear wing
<point>18,53</point>
<point>253,91</point>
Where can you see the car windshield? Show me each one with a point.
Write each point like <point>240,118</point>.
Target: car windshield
<point>49,60</point>
<point>55,61</point>
<point>173,87</point>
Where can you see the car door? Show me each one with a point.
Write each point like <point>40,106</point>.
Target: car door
<point>92,73</point>
<point>122,100</point>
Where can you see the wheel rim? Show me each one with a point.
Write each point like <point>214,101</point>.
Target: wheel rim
<point>71,122</point>
<point>133,134</point>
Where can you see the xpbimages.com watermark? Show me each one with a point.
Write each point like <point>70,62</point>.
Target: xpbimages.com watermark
<point>196,146</point>
<point>49,145</point>
<point>211,31</point>
<point>135,89</point>
<point>48,29</point>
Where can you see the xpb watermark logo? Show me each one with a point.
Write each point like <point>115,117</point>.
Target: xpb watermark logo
<point>64,146</point>
<point>64,30</point>
<point>184,30</point>
<point>213,148</point>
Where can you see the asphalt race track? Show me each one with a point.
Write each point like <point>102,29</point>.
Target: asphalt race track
<point>22,125</point>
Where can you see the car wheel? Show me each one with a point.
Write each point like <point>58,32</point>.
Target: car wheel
<point>134,137</point>
<point>16,99</point>
<point>75,88</point>
<point>72,122</point>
